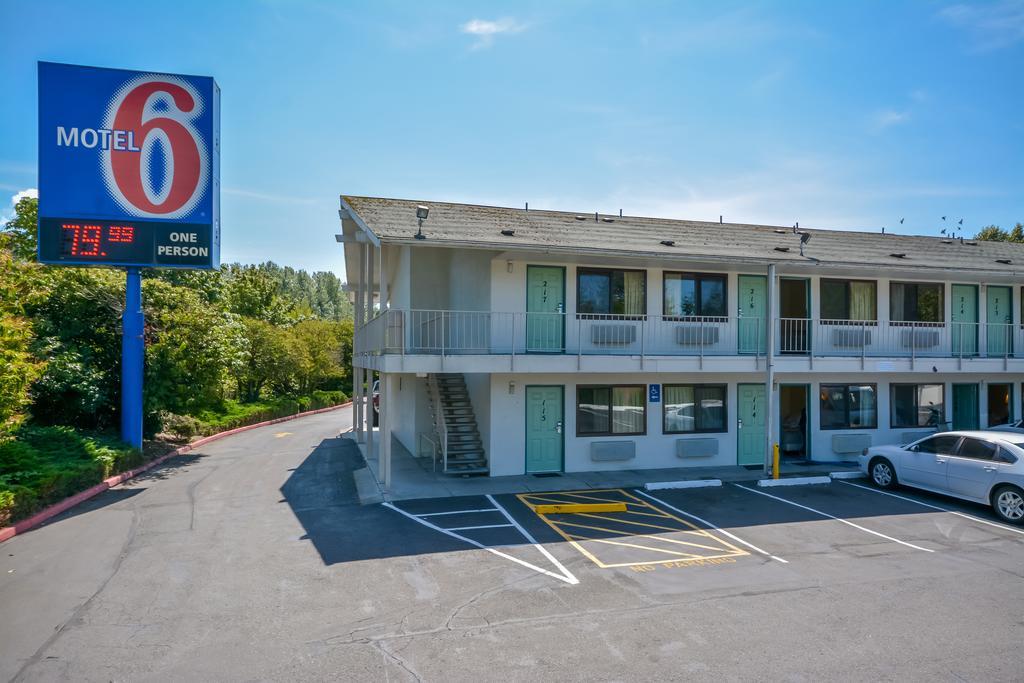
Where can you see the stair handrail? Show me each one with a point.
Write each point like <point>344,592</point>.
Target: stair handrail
<point>440,424</point>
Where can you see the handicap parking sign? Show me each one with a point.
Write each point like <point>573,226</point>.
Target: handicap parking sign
<point>654,393</point>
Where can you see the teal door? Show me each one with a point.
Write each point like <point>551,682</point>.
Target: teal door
<point>999,316</point>
<point>965,320</point>
<point>752,312</point>
<point>752,423</point>
<point>545,309</point>
<point>544,419</point>
<point>965,406</point>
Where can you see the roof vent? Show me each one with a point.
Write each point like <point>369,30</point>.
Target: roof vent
<point>947,241</point>
<point>669,243</point>
<point>581,218</point>
<point>783,249</point>
<point>508,232</point>
<point>1005,261</point>
<point>780,231</point>
<point>606,219</point>
<point>898,255</point>
<point>971,244</point>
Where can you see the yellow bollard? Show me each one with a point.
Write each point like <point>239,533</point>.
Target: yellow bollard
<point>775,462</point>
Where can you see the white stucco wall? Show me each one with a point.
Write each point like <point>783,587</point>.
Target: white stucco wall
<point>507,445</point>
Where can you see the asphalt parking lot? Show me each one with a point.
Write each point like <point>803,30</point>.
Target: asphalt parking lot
<point>739,526</point>
<point>251,559</point>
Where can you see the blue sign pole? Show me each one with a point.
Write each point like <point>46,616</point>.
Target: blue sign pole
<point>133,349</point>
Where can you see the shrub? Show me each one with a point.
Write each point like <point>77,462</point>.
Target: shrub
<point>43,465</point>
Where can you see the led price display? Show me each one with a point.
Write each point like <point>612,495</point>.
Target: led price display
<point>121,242</point>
<point>94,240</point>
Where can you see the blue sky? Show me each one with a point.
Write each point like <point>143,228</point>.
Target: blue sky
<point>834,114</point>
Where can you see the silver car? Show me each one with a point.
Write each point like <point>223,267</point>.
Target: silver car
<point>983,467</point>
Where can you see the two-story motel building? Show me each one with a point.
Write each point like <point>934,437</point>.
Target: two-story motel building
<point>511,341</point>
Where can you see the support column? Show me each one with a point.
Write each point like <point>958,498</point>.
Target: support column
<point>387,390</point>
<point>769,394</point>
<point>369,414</point>
<point>358,375</point>
<point>383,280</point>
<point>133,353</point>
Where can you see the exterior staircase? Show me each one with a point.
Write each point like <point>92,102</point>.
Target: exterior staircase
<point>462,450</point>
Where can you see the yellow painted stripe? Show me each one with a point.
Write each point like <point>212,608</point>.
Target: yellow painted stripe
<point>570,508</point>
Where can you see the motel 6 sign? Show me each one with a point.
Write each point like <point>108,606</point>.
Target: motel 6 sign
<point>129,167</point>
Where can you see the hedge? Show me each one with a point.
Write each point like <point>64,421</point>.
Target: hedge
<point>40,466</point>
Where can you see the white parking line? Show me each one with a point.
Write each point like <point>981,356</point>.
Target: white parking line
<point>712,526</point>
<point>544,551</point>
<point>838,519</point>
<point>566,576</point>
<point>456,512</point>
<point>939,507</point>
<point>483,526</point>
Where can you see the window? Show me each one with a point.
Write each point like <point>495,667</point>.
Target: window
<point>694,294</point>
<point>619,292</point>
<point>848,406</point>
<point>917,405</point>
<point>849,300</point>
<point>610,410</point>
<point>916,302</point>
<point>943,444</point>
<point>977,449</point>
<point>694,408</point>
<point>1006,456</point>
<point>999,405</point>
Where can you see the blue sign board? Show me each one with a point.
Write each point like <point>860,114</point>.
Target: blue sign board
<point>129,168</point>
<point>654,393</point>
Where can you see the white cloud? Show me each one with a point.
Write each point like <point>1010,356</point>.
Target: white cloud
<point>266,196</point>
<point>485,30</point>
<point>888,118</point>
<point>30,192</point>
<point>990,26</point>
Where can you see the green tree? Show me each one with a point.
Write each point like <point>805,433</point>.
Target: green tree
<point>18,367</point>
<point>191,349</point>
<point>252,293</point>
<point>264,358</point>
<point>993,233</point>
<point>19,234</point>
<point>315,356</point>
<point>77,321</point>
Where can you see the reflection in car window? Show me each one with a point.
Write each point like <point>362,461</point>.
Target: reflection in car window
<point>944,444</point>
<point>977,449</point>
<point>1005,456</point>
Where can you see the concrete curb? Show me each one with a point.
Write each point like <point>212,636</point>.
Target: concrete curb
<point>35,520</point>
<point>846,475</point>
<point>367,486</point>
<point>793,481</point>
<point>686,484</point>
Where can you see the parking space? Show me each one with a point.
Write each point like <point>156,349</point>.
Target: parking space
<point>816,530</point>
<point>640,534</point>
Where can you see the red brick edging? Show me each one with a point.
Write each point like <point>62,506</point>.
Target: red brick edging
<point>57,508</point>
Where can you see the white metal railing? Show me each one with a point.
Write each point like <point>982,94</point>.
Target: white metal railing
<point>438,332</point>
<point>440,423</point>
<point>883,338</point>
<point>447,333</point>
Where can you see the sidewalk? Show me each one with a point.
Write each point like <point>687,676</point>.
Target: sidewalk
<point>413,478</point>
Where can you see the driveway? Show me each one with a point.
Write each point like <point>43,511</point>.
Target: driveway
<point>251,559</point>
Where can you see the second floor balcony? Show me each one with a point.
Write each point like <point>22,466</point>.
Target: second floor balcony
<point>454,333</point>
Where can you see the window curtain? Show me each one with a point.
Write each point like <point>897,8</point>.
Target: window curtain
<point>863,301</point>
<point>633,291</point>
<point>897,302</point>
<point>627,410</point>
<point>680,415</point>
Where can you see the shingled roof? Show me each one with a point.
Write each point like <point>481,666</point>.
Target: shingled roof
<point>393,221</point>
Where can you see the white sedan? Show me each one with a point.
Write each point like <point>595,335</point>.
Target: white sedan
<point>983,467</point>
